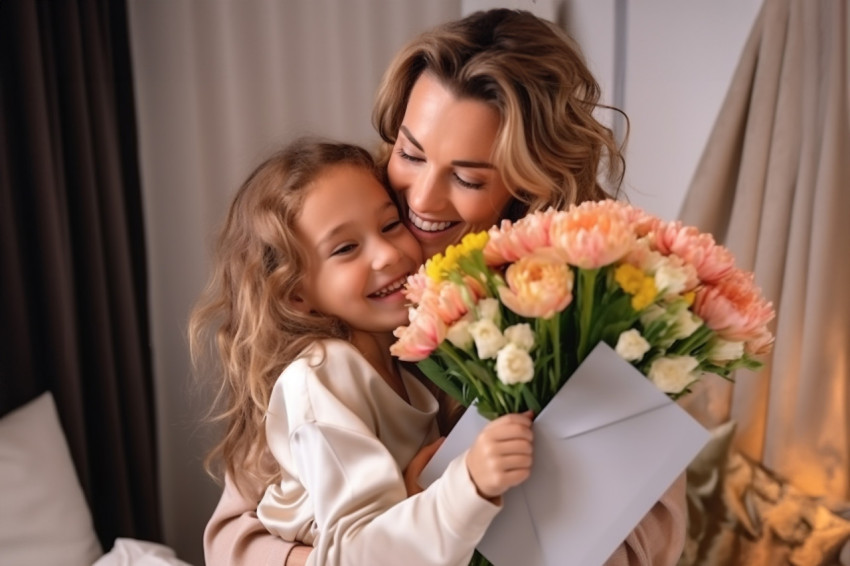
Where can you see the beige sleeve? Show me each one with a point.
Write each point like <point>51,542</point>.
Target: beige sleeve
<point>659,539</point>
<point>361,505</point>
<point>234,534</point>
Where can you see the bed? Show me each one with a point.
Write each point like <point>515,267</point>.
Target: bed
<point>44,517</point>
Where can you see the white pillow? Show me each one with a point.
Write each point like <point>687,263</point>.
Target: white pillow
<point>44,517</point>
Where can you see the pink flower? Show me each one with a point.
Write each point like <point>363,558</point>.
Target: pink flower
<point>641,222</point>
<point>538,286</point>
<point>761,344</point>
<point>512,241</point>
<point>592,234</point>
<point>712,261</point>
<point>420,338</point>
<point>417,284</point>
<point>735,308</point>
<point>446,301</point>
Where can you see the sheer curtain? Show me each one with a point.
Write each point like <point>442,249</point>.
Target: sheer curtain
<point>218,84</point>
<point>774,186</point>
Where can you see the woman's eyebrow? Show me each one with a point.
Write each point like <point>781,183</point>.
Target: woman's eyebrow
<point>410,138</point>
<point>455,162</point>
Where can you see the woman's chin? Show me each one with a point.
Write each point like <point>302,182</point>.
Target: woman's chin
<point>436,242</point>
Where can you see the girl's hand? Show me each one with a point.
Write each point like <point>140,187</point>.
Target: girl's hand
<point>417,464</point>
<point>501,456</point>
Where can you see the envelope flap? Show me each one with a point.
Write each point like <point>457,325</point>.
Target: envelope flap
<point>605,389</point>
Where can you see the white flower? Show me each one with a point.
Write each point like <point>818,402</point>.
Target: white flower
<point>631,345</point>
<point>725,351</point>
<point>671,279</point>
<point>488,308</point>
<point>521,335</point>
<point>685,323</point>
<point>488,338</point>
<point>673,373</point>
<point>514,365</point>
<point>458,334</point>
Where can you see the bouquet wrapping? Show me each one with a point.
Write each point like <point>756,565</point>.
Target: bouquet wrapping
<point>503,319</point>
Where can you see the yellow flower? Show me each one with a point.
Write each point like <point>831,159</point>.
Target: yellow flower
<point>434,267</point>
<point>473,241</point>
<point>645,295</point>
<point>442,264</point>
<point>629,277</point>
<point>637,284</point>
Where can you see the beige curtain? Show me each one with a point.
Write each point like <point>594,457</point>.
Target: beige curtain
<point>774,186</point>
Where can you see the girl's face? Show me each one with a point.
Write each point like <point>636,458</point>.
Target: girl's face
<point>359,253</point>
<point>440,166</point>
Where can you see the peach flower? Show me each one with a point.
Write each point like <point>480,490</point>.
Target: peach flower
<point>734,308</point>
<point>537,286</point>
<point>592,234</point>
<point>712,261</point>
<point>513,240</point>
<point>420,338</point>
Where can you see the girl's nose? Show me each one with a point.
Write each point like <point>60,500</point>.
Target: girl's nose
<point>386,254</point>
<point>426,193</point>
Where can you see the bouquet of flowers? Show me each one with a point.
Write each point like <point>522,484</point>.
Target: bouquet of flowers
<point>504,318</point>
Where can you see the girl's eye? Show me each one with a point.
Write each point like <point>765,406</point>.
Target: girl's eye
<point>404,155</point>
<point>392,225</point>
<point>344,249</point>
<point>467,184</point>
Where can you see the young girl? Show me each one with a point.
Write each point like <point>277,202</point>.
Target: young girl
<point>305,293</point>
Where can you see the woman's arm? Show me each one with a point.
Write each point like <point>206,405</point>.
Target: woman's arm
<point>234,535</point>
<point>659,539</point>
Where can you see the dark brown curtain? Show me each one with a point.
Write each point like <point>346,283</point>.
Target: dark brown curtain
<point>73,303</point>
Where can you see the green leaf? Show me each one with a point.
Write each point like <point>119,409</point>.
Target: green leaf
<point>440,376</point>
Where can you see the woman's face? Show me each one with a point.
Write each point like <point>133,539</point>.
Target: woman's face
<point>441,166</point>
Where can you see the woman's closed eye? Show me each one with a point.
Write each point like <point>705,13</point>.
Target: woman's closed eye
<point>406,156</point>
<point>467,184</point>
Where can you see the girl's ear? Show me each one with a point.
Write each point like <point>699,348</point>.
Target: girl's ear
<point>299,303</point>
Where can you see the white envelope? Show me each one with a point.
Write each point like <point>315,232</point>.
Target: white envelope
<point>605,449</point>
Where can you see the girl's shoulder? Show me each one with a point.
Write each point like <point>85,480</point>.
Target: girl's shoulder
<point>325,370</point>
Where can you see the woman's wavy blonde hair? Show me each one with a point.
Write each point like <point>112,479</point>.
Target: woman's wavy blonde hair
<point>550,148</point>
<point>244,321</point>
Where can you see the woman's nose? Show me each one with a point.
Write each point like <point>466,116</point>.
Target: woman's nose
<point>426,192</point>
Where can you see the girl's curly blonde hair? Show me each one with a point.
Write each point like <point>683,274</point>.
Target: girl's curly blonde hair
<point>244,315</point>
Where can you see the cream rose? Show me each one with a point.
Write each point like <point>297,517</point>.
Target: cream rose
<point>631,345</point>
<point>488,338</point>
<point>514,365</point>
<point>458,334</point>
<point>673,373</point>
<point>521,335</point>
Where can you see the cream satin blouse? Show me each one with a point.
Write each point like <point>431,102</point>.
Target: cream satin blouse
<point>342,437</point>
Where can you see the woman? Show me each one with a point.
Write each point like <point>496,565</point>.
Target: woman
<point>482,119</point>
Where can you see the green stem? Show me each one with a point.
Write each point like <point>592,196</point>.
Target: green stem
<point>449,352</point>
<point>587,281</point>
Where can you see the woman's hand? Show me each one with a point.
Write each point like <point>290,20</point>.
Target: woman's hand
<point>501,455</point>
<point>417,464</point>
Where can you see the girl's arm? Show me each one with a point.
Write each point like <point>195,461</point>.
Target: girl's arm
<point>234,535</point>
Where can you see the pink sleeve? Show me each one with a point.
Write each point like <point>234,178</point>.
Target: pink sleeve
<point>234,535</point>
<point>659,539</point>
